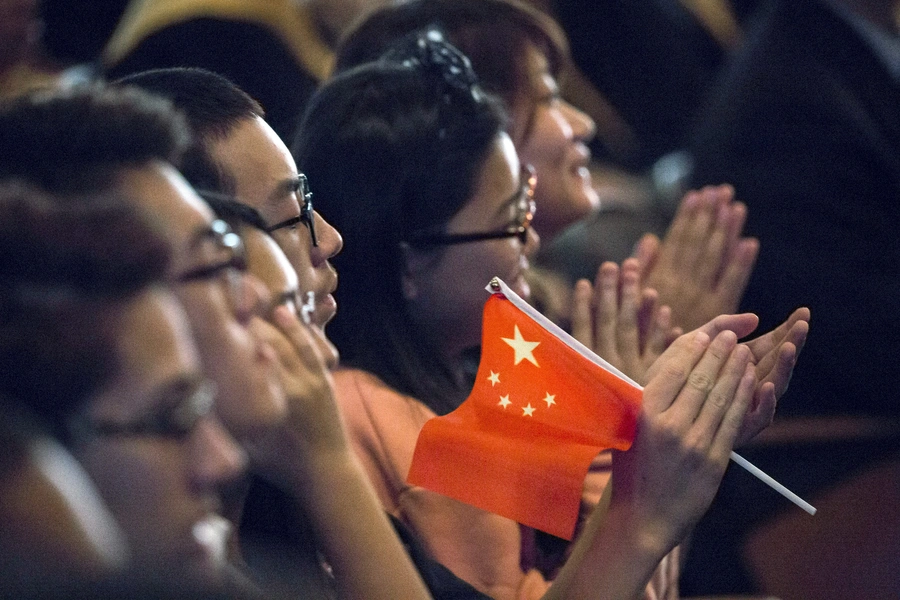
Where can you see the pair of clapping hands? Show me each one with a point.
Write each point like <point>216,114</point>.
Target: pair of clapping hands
<point>692,280</point>
<point>705,393</point>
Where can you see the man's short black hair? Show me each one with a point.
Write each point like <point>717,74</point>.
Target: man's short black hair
<point>76,140</point>
<point>213,106</point>
<point>211,102</point>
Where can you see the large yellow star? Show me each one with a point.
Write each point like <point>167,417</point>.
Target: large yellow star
<point>523,348</point>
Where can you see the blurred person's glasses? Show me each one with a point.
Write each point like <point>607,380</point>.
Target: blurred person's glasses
<point>181,408</point>
<point>522,201</point>
<point>232,269</point>
<point>306,216</point>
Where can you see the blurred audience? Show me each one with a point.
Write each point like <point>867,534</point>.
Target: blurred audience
<point>276,50</point>
<point>23,63</point>
<point>654,61</point>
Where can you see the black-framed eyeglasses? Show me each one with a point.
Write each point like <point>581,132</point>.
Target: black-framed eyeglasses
<point>177,421</point>
<point>524,207</point>
<point>233,268</point>
<point>306,211</point>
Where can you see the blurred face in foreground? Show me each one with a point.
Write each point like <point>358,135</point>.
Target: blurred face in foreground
<point>155,449</point>
<point>219,299</point>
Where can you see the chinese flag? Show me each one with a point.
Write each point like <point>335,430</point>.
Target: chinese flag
<point>541,410</point>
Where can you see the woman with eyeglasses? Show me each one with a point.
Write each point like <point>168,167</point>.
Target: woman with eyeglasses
<point>521,55</point>
<point>409,159</point>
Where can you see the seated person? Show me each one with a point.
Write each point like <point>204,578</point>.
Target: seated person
<point>410,160</point>
<point>91,133</point>
<point>520,54</point>
<point>98,349</point>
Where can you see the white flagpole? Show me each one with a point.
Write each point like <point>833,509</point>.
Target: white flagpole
<point>497,285</point>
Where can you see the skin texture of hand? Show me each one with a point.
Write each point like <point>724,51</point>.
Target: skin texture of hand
<point>774,356</point>
<point>694,404</point>
<point>693,409</point>
<point>702,266</point>
<point>310,457</point>
<point>620,322</point>
<point>313,424</point>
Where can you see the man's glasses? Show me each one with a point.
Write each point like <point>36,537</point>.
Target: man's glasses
<point>232,268</point>
<point>524,207</point>
<point>181,414</point>
<point>306,211</point>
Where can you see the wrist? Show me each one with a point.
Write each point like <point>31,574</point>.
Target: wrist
<point>645,538</point>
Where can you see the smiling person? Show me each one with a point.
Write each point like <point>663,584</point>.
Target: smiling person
<point>409,157</point>
<point>519,54</point>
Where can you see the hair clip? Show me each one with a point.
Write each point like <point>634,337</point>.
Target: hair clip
<point>429,51</point>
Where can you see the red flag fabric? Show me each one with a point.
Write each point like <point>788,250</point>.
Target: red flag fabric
<point>540,411</point>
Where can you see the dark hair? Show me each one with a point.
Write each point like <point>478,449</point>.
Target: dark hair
<point>492,33</point>
<point>76,140</point>
<point>390,150</point>
<point>235,213</point>
<point>213,106</point>
<point>65,265</point>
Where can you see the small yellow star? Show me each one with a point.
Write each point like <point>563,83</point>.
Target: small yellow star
<point>550,400</point>
<point>504,401</point>
<point>528,411</point>
<point>523,348</point>
<point>494,378</point>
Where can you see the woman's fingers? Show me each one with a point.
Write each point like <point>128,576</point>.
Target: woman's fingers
<point>726,435</point>
<point>701,381</point>
<point>671,371</point>
<point>582,313</point>
<point>627,332</point>
<point>721,396</point>
<point>606,309</point>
